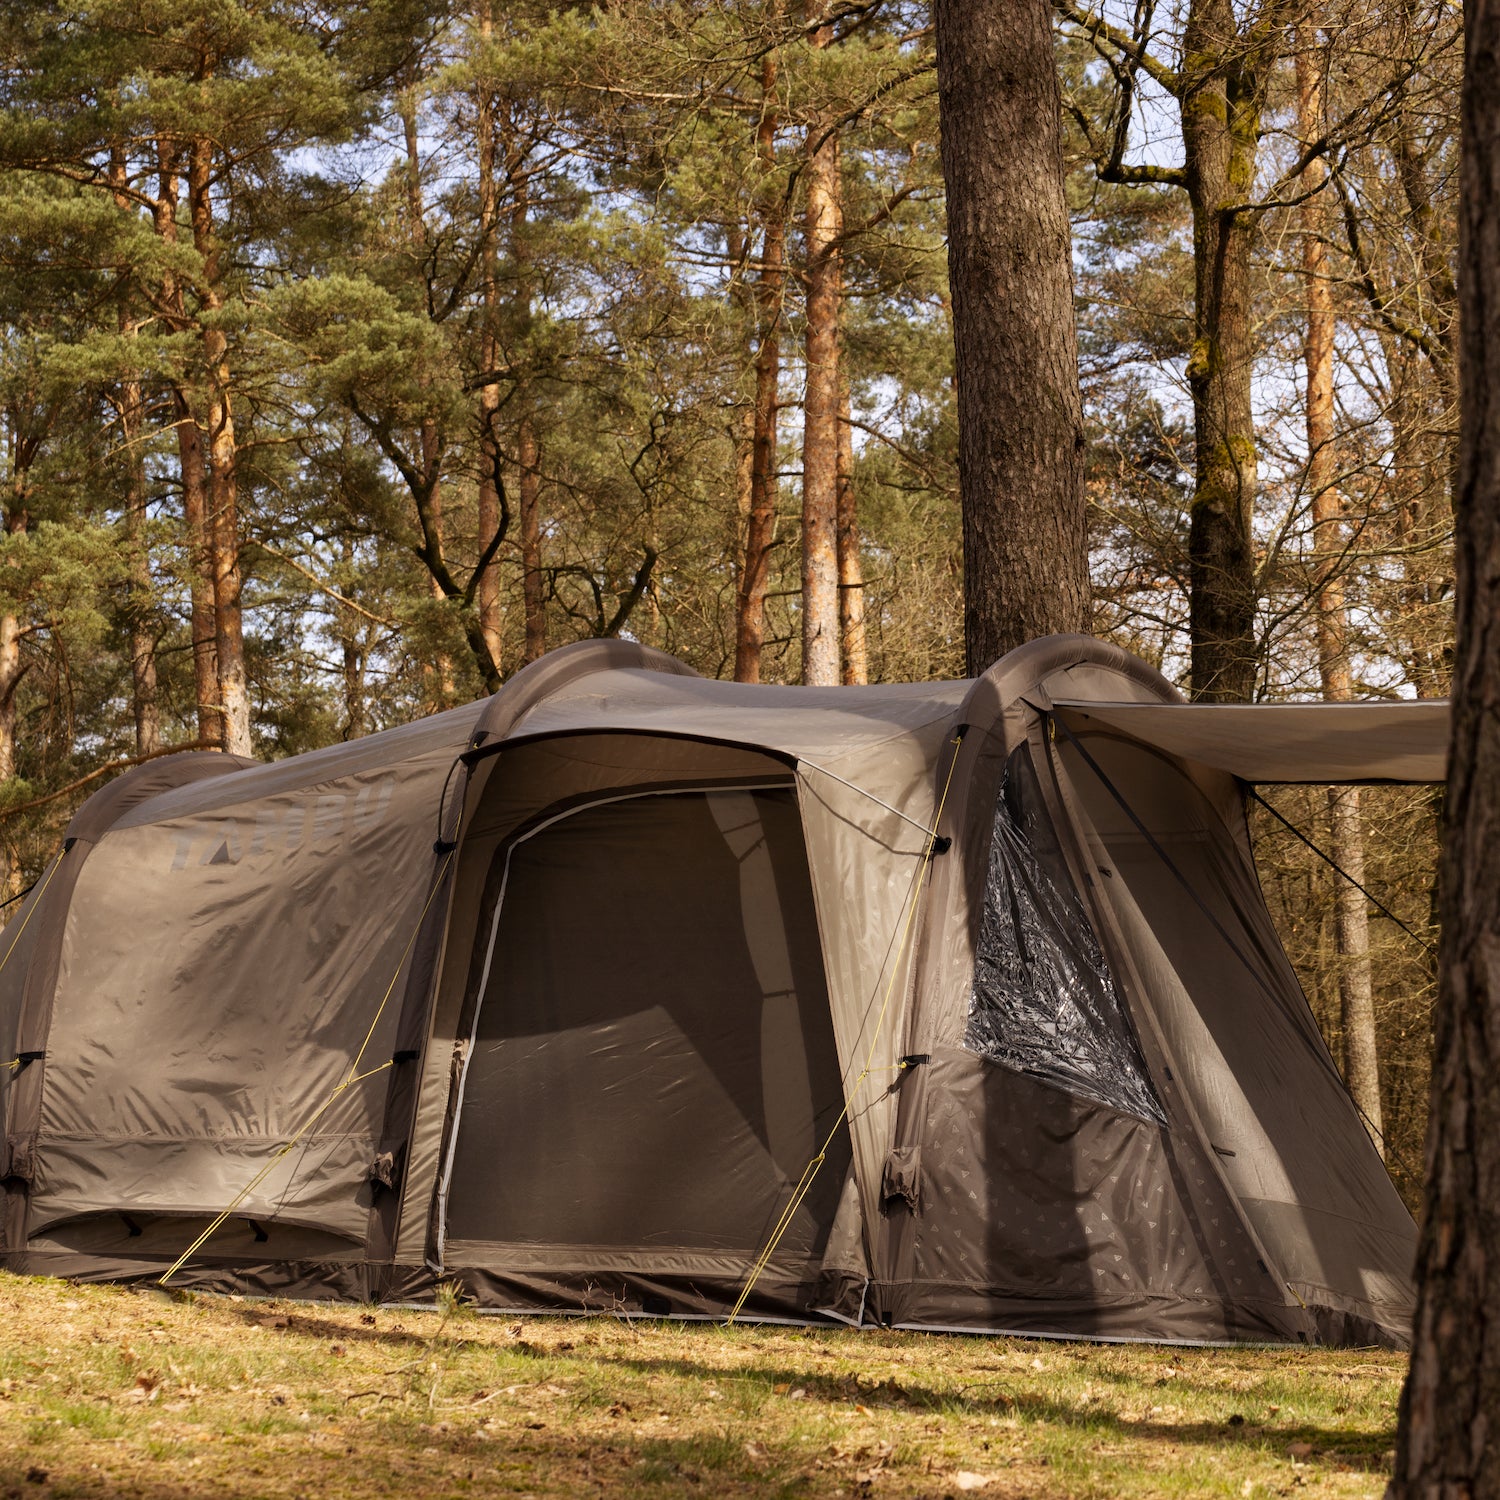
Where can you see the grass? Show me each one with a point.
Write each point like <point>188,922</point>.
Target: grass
<point>108,1392</point>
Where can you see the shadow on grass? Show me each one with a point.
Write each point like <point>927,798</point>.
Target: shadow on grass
<point>999,1397</point>
<point>556,1461</point>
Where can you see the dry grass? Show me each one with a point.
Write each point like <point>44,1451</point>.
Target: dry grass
<point>106,1392</point>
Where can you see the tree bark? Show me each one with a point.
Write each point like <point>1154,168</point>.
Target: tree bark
<point>823,224</point>
<point>223,527</point>
<point>356,719</point>
<point>1356,982</point>
<point>144,697</point>
<point>1423,505</point>
<point>529,457</point>
<point>1448,1443</point>
<point>488,593</point>
<point>1020,413</point>
<point>192,470</point>
<point>429,438</point>
<point>851,566</point>
<point>1221,101</point>
<point>138,585</point>
<point>12,667</point>
<point>770,286</point>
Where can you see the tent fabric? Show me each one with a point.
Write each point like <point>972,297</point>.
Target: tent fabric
<point>563,994</point>
<point>1404,741</point>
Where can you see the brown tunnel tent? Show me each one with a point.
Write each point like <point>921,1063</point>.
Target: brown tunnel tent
<point>942,1005</point>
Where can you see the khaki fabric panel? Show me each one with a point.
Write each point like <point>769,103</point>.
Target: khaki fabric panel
<point>1243,1041</point>
<point>219,972</point>
<point>438,735</point>
<point>322,1185</point>
<point>1032,1195</point>
<point>1288,742</point>
<point>865,863</point>
<point>819,724</point>
<point>17,944</point>
<point>508,790</point>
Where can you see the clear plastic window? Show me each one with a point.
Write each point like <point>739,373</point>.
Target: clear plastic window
<point>1044,1002</point>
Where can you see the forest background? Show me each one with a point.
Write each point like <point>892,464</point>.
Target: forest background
<point>353,355</point>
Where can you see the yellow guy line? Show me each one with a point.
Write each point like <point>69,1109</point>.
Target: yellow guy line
<point>350,1079</point>
<point>810,1171</point>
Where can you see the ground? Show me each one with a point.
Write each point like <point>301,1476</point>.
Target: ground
<point>109,1392</point>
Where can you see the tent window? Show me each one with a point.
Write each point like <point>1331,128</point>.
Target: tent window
<point>1044,1002</point>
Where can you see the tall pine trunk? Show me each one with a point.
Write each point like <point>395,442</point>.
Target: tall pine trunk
<point>1221,109</point>
<point>820,428</point>
<point>222,531</point>
<point>428,437</point>
<point>1448,1442</point>
<point>138,562</point>
<point>12,666</point>
<point>770,287</point>
<point>1020,413</point>
<point>1356,982</point>
<point>192,469</point>
<point>528,443</point>
<point>488,129</point>
<point>851,567</point>
<point>528,453</point>
<point>356,718</point>
<point>138,610</point>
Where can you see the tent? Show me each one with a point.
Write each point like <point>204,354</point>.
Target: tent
<point>940,1005</point>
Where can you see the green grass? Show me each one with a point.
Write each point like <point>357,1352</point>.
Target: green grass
<point>106,1392</point>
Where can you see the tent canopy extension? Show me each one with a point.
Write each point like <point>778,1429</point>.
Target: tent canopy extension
<point>941,1005</point>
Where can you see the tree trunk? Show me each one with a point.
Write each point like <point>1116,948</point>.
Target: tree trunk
<point>770,285</point>
<point>1356,978</point>
<point>1221,105</point>
<point>529,456</point>
<point>12,668</point>
<point>223,527</point>
<point>1448,1443</point>
<point>10,677</point>
<point>851,566</point>
<point>488,593</point>
<point>1020,414</point>
<point>742,436</point>
<point>138,586</point>
<point>820,429</point>
<point>356,720</point>
<point>139,597</point>
<point>1422,504</point>
<point>192,470</point>
<point>428,436</point>
<point>1356,982</point>
<point>194,475</point>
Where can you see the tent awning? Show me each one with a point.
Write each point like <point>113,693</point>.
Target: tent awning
<point>1287,742</point>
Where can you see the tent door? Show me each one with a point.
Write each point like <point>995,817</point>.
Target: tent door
<point>652,1062</point>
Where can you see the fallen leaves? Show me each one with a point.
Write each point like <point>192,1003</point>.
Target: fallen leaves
<point>147,1387</point>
